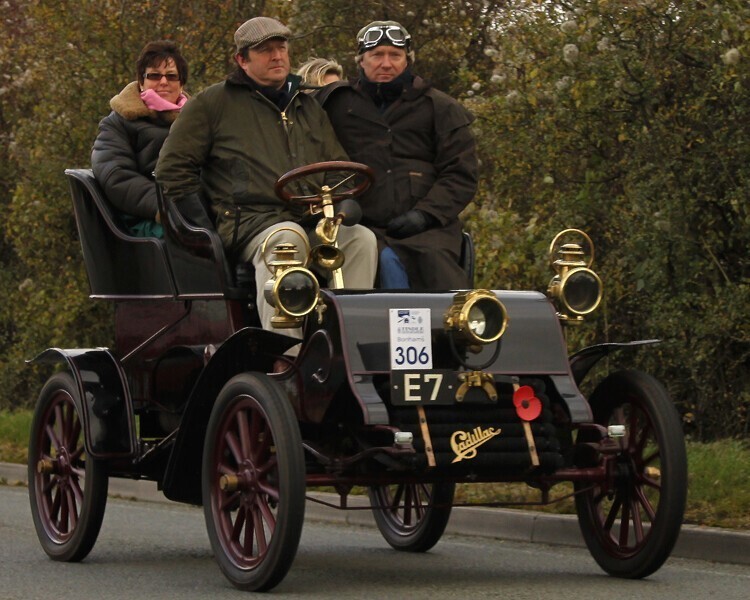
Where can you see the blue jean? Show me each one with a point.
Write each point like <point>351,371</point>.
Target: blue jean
<point>392,272</point>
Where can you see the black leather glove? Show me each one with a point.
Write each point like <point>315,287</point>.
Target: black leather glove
<point>192,209</point>
<point>410,223</point>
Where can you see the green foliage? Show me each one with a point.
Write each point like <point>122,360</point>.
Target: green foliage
<point>630,121</point>
<point>627,120</point>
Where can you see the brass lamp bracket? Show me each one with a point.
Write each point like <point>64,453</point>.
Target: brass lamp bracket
<point>476,379</point>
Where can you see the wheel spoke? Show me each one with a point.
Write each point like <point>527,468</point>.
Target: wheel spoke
<point>54,441</point>
<point>645,503</point>
<point>234,446</point>
<point>75,487</point>
<point>612,514</point>
<point>243,429</point>
<point>72,508</point>
<point>260,533</point>
<point>408,504</point>
<point>239,522</point>
<point>637,521</point>
<point>229,502</point>
<point>624,525</point>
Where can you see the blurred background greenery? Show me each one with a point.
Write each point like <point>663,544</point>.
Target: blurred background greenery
<point>629,120</point>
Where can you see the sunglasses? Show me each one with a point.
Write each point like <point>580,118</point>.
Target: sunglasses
<point>373,36</point>
<point>158,76</point>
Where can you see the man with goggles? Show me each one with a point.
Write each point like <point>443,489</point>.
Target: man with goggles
<point>418,142</point>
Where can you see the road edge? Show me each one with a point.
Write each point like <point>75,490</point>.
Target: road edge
<point>702,543</point>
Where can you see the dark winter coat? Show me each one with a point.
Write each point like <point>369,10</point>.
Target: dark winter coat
<point>423,154</point>
<point>232,143</point>
<point>125,153</point>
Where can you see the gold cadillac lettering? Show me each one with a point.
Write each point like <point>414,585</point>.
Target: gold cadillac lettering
<point>465,443</point>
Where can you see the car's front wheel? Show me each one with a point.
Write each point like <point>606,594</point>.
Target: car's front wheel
<point>630,520</point>
<point>253,482</point>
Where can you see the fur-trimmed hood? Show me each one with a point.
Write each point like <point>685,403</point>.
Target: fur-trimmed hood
<point>128,104</point>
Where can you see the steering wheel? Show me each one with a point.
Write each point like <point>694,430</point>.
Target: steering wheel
<point>349,169</point>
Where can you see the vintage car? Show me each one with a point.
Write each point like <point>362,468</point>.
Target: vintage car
<point>403,394</point>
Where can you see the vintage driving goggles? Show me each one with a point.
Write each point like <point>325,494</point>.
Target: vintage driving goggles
<point>374,35</point>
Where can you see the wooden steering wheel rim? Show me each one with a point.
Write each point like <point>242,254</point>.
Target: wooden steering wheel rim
<point>321,167</point>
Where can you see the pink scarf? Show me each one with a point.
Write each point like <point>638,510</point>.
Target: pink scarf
<point>155,102</point>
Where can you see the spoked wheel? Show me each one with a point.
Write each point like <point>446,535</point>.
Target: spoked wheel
<point>631,521</point>
<point>253,482</point>
<point>67,489</point>
<point>413,517</point>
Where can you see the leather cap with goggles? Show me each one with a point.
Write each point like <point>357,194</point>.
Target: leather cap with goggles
<point>379,33</point>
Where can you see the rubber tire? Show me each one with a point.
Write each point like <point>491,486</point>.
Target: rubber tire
<point>621,558</point>
<point>256,396</point>
<point>405,500</point>
<point>81,484</point>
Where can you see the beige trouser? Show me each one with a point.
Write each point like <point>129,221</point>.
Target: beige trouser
<point>358,244</point>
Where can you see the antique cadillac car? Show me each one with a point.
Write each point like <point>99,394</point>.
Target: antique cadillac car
<point>399,393</point>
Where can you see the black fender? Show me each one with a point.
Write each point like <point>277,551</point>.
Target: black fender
<point>249,349</point>
<point>582,361</point>
<point>103,402</point>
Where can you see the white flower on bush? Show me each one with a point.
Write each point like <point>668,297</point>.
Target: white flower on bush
<point>497,78</point>
<point>548,179</point>
<point>569,27</point>
<point>570,53</point>
<point>563,83</point>
<point>476,86</point>
<point>731,56</point>
<point>604,44</point>
<point>512,96</point>
<point>490,52</point>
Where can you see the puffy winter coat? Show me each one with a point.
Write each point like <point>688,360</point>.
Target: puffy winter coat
<point>125,153</point>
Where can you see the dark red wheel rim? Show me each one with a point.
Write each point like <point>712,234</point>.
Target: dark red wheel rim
<point>625,507</point>
<point>61,469</point>
<point>245,490</point>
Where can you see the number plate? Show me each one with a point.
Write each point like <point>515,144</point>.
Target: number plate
<point>436,386</point>
<point>411,338</point>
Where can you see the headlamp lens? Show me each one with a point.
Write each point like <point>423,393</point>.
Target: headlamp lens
<point>582,291</point>
<point>477,320</point>
<point>297,292</point>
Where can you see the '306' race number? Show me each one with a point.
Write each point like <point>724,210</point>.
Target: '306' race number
<point>411,338</point>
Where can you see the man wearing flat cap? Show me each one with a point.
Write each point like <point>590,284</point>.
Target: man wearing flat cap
<point>418,142</point>
<point>237,137</point>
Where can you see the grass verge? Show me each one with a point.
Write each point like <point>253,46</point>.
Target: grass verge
<point>718,478</point>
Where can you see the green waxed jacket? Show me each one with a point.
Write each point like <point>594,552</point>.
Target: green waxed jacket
<point>232,144</point>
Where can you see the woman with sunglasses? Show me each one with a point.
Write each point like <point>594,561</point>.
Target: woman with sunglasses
<point>130,137</point>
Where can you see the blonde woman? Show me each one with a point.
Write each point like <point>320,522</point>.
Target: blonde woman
<point>317,72</point>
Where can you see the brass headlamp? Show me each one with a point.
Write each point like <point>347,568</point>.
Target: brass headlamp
<point>293,290</point>
<point>576,289</point>
<point>476,317</point>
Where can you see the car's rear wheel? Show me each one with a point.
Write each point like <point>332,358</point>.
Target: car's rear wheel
<point>67,488</point>
<point>631,521</point>
<point>253,482</point>
<point>412,517</point>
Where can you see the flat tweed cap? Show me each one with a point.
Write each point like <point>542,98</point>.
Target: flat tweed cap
<point>259,29</point>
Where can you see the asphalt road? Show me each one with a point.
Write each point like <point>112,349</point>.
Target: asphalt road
<point>160,550</point>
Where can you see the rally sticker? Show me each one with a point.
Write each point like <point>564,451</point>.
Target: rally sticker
<point>411,340</point>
